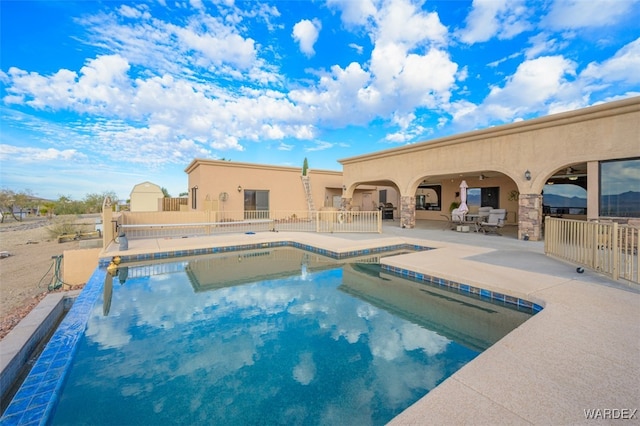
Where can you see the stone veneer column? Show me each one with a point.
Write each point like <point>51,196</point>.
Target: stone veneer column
<point>530,216</point>
<point>407,211</point>
<point>345,204</point>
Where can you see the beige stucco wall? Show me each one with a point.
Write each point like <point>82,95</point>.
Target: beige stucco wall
<point>542,146</point>
<point>145,196</point>
<point>286,192</point>
<point>78,265</point>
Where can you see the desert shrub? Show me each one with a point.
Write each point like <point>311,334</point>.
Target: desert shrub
<point>65,225</point>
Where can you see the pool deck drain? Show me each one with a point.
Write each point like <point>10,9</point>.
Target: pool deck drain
<point>580,354</point>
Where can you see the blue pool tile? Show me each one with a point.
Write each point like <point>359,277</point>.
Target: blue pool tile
<point>12,419</point>
<point>497,296</point>
<point>510,299</point>
<point>18,405</point>
<point>33,415</point>
<point>524,303</point>
<point>39,400</point>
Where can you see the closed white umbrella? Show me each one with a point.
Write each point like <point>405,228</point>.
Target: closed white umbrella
<point>463,208</point>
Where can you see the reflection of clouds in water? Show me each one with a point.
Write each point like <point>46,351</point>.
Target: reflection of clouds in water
<point>415,337</point>
<point>305,370</point>
<point>385,343</point>
<point>403,376</point>
<point>108,334</point>
<point>162,336</point>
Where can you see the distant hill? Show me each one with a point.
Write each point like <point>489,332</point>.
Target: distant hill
<point>626,204</point>
<point>553,200</point>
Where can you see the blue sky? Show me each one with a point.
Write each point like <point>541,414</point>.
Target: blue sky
<point>99,96</point>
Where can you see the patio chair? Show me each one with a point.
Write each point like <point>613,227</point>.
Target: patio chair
<point>494,222</point>
<point>483,213</point>
<point>455,218</point>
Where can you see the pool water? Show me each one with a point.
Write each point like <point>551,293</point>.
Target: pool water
<point>275,336</point>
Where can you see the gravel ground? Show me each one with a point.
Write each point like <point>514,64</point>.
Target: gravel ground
<point>28,270</point>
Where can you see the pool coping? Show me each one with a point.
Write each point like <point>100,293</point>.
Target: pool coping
<point>22,342</point>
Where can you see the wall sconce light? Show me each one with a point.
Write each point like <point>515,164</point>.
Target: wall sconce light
<point>527,175</point>
<point>344,187</point>
<point>481,177</point>
<point>239,188</point>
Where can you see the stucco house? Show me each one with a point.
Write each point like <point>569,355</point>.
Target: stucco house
<point>592,152</point>
<point>235,186</point>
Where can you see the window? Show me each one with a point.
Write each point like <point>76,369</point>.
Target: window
<point>620,188</point>
<point>490,197</point>
<point>256,204</point>
<point>383,196</point>
<point>428,197</point>
<point>483,197</point>
<point>473,199</point>
<point>194,193</point>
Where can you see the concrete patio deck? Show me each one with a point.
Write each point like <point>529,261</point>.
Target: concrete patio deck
<point>578,357</point>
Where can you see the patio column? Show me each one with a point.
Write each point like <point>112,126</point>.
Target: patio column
<point>530,216</point>
<point>345,204</point>
<point>407,211</point>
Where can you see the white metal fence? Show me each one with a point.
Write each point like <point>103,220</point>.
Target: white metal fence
<point>137,225</point>
<point>610,248</point>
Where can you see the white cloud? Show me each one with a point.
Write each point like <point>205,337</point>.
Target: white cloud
<point>623,67</point>
<point>357,48</point>
<point>403,22</point>
<point>355,13</point>
<point>140,11</point>
<point>319,146</point>
<point>215,44</point>
<point>408,67</point>
<point>305,33</point>
<point>285,147</point>
<point>575,14</point>
<point>503,19</point>
<point>543,43</point>
<point>534,81</point>
<point>202,46</point>
<point>535,84</point>
<point>36,155</point>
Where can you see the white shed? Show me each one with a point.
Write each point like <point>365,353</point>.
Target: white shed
<point>145,196</point>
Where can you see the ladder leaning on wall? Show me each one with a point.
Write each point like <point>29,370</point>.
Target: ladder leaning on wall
<point>306,184</point>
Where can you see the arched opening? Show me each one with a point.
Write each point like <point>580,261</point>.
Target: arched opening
<point>382,195</point>
<point>565,193</point>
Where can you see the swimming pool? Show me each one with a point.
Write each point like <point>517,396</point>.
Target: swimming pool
<point>357,337</point>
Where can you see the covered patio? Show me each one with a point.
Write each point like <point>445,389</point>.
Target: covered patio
<point>510,165</point>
